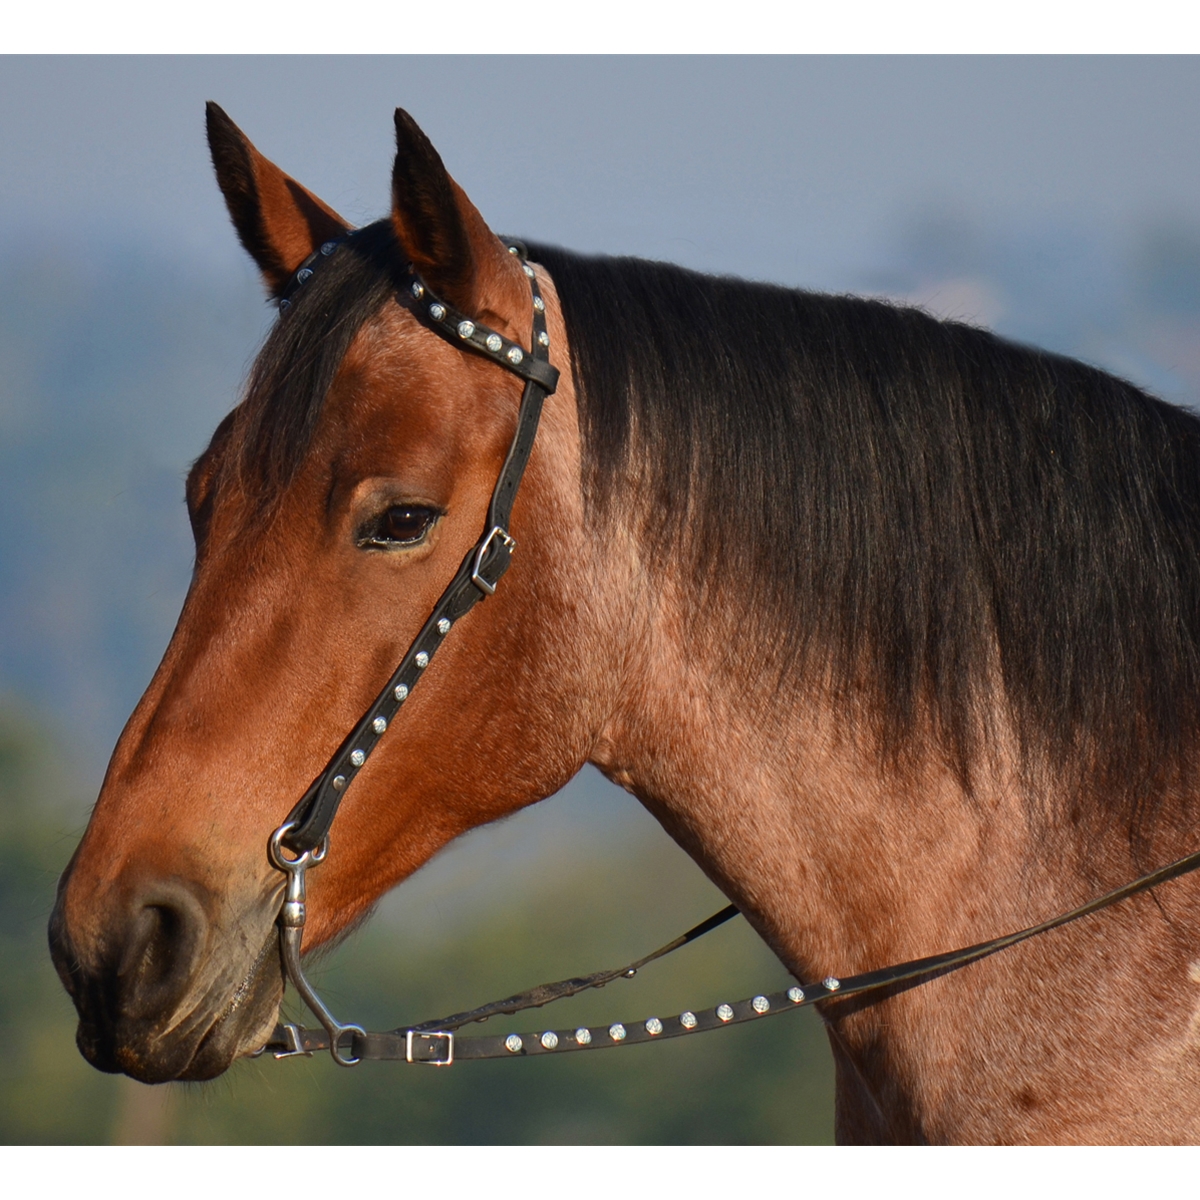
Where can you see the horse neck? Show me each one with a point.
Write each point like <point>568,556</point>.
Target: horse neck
<point>843,866</point>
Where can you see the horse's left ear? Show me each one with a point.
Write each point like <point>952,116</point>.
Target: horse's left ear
<point>441,231</point>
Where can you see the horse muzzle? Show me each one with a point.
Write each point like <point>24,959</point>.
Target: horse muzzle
<point>154,1000</point>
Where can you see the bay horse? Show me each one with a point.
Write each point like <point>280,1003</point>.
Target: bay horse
<point>892,624</point>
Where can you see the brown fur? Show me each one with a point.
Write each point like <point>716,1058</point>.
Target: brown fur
<point>841,863</point>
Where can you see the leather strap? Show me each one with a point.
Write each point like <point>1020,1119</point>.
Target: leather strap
<point>481,569</point>
<point>437,1043</point>
<point>547,993</point>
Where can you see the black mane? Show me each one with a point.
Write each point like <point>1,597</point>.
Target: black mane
<point>916,512</point>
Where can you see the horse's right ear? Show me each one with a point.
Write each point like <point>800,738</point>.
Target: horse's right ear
<point>279,222</point>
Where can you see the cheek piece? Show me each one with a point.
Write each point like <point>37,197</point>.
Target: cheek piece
<point>302,841</point>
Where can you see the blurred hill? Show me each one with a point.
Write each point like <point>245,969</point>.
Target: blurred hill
<point>115,365</point>
<point>114,368</point>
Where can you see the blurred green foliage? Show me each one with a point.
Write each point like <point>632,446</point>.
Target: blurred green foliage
<point>510,908</point>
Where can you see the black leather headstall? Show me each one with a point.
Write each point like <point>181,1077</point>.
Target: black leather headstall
<point>486,561</point>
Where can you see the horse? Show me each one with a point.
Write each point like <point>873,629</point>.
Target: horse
<point>892,624</point>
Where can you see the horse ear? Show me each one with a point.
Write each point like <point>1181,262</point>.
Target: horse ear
<point>279,222</point>
<point>442,232</point>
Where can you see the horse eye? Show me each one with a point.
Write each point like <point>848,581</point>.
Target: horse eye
<point>400,525</point>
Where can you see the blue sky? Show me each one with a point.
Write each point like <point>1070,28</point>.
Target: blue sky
<point>1055,199</point>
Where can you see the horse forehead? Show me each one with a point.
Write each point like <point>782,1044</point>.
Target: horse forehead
<point>397,367</point>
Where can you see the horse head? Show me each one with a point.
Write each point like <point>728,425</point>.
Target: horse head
<point>329,511</point>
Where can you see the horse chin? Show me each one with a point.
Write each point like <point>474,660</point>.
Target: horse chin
<point>199,1046</point>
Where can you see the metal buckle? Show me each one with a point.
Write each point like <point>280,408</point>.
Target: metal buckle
<point>431,1062</point>
<point>489,589</point>
<point>294,1044</point>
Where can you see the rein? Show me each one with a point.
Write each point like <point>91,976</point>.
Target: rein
<point>302,841</point>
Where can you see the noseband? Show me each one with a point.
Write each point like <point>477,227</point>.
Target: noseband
<point>302,841</point>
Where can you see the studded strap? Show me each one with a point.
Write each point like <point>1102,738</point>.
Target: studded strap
<point>486,561</point>
<point>429,1042</point>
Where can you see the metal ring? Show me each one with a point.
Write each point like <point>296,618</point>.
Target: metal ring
<point>335,1048</point>
<point>307,858</point>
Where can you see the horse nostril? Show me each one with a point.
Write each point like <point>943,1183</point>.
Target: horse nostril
<point>164,939</point>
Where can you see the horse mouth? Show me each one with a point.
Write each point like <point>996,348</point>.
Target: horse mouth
<point>196,1045</point>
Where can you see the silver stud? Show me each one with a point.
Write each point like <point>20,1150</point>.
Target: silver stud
<point>513,1043</point>
<point>539,304</point>
<point>437,311</point>
<point>494,342</point>
<point>830,983</point>
<point>417,290</point>
<point>401,692</point>
<point>583,1035</point>
<point>443,625</point>
<point>515,354</point>
<point>422,660</point>
<point>617,1032</point>
<point>527,269</point>
<point>284,305</point>
<point>550,1040</point>
<point>687,1020</point>
<point>653,1026</point>
<point>328,248</point>
<point>795,994</point>
<point>466,328</point>
<point>339,782</point>
<point>724,1012</point>
<point>760,1004</point>
<point>514,250</point>
<point>379,724</point>
<point>357,757</point>
<point>303,275</point>
<point>543,338</point>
